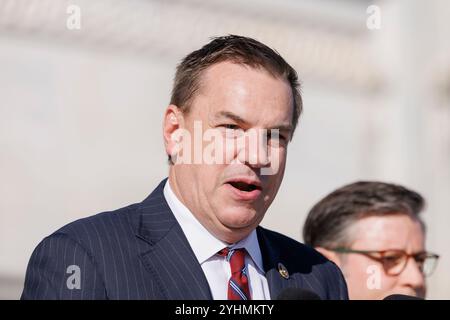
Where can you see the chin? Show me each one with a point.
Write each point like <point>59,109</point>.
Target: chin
<point>238,218</point>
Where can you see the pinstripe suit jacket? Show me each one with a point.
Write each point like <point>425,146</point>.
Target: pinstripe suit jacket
<point>140,252</point>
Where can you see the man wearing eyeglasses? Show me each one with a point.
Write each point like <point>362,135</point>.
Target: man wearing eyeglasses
<point>374,233</point>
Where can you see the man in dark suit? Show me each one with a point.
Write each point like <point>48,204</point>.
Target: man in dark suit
<point>234,107</point>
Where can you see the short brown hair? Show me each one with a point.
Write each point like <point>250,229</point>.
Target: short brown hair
<point>237,49</point>
<point>327,222</point>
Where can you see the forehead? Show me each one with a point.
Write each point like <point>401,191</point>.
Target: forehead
<point>397,231</point>
<point>253,94</point>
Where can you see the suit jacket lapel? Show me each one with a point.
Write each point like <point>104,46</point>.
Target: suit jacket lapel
<point>272,259</point>
<point>169,259</point>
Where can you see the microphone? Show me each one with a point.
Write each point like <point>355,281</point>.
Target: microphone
<point>401,297</point>
<point>297,294</point>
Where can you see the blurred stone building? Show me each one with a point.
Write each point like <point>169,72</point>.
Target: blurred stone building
<point>81,109</point>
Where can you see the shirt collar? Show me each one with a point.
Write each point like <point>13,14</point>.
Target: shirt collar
<point>202,242</point>
<point>251,244</point>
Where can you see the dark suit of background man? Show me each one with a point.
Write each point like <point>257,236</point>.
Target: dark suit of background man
<point>197,235</point>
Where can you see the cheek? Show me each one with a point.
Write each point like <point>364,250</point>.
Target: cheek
<point>388,282</point>
<point>211,173</point>
<point>274,180</point>
<point>357,269</point>
<point>370,276</point>
<point>277,158</point>
<point>205,178</point>
<point>361,271</point>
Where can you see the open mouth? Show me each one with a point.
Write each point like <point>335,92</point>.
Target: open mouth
<point>243,186</point>
<point>245,189</point>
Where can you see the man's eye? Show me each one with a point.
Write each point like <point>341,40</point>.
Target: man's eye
<point>232,130</point>
<point>230,126</point>
<point>276,133</point>
<point>394,259</point>
<point>272,136</point>
<point>420,259</point>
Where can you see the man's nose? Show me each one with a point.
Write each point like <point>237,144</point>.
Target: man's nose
<point>412,275</point>
<point>255,150</point>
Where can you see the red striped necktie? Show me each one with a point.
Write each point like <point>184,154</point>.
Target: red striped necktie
<point>238,288</point>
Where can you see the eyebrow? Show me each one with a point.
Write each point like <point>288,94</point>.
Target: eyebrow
<point>236,118</point>
<point>230,115</point>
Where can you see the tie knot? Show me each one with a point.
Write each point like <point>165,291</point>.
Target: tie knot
<point>236,258</point>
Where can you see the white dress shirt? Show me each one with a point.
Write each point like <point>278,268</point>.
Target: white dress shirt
<point>205,247</point>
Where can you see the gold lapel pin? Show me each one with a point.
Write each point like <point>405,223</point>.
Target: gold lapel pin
<point>283,271</point>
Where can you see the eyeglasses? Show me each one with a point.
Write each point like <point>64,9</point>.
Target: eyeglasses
<point>395,261</point>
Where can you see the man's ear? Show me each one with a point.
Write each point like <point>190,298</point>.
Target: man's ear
<point>330,255</point>
<point>173,120</point>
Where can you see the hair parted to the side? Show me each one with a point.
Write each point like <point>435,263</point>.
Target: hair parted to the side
<point>328,221</point>
<point>236,49</point>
